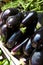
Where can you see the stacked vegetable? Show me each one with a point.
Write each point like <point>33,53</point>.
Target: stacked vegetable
<point>19,34</point>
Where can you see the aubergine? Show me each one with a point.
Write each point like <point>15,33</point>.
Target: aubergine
<point>5,33</point>
<point>16,38</point>
<point>20,35</point>
<point>37,38</point>
<point>14,21</point>
<point>8,12</point>
<point>27,48</point>
<point>37,58</point>
<point>32,17</point>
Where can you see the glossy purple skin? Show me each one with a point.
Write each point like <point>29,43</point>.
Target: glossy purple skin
<point>37,58</point>
<point>31,18</point>
<point>37,38</point>
<point>14,21</point>
<point>13,40</point>
<point>27,48</point>
<point>8,12</point>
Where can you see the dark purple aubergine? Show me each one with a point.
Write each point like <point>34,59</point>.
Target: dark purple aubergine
<point>30,19</point>
<point>8,12</point>
<point>37,58</point>
<point>14,21</point>
<point>27,48</point>
<point>16,38</point>
<point>37,39</point>
<point>20,36</point>
<point>5,33</point>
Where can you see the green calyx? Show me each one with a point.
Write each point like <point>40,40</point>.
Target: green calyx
<point>23,29</point>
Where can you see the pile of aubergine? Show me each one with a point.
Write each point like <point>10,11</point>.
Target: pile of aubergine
<point>19,34</point>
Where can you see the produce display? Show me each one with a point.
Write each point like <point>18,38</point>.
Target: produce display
<point>21,37</point>
<point>8,12</point>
